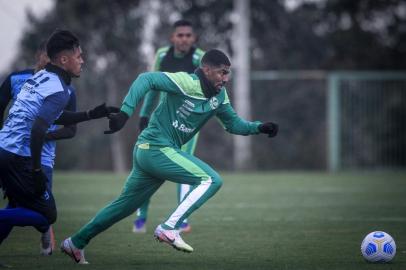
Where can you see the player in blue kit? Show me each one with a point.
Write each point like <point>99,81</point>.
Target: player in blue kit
<point>25,162</point>
<point>9,90</point>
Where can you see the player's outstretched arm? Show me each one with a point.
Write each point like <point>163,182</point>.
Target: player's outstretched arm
<point>49,111</point>
<point>116,122</point>
<point>70,118</point>
<point>234,124</point>
<point>269,128</point>
<point>38,132</point>
<point>66,132</point>
<point>155,81</point>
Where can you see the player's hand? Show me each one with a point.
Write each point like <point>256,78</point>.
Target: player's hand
<point>143,123</point>
<point>116,122</point>
<point>269,128</point>
<point>40,180</point>
<point>101,111</point>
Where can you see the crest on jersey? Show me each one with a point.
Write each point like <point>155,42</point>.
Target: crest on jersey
<point>214,103</point>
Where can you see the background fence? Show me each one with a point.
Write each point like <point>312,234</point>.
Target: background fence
<point>328,121</point>
<point>367,120</point>
<point>336,120</point>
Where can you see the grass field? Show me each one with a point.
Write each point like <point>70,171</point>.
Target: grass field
<point>256,221</point>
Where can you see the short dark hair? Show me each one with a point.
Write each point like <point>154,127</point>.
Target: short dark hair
<point>215,58</point>
<point>182,22</point>
<point>59,41</point>
<point>42,46</point>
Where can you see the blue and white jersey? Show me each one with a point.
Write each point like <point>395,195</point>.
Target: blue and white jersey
<point>17,81</point>
<point>49,147</point>
<point>16,133</point>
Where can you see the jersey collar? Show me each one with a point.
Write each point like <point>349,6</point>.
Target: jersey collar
<point>181,55</point>
<point>63,74</point>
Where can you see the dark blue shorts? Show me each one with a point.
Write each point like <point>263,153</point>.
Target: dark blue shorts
<point>17,182</point>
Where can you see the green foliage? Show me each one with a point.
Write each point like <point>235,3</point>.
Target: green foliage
<point>326,34</point>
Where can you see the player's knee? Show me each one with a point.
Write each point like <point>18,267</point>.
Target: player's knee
<point>217,182</point>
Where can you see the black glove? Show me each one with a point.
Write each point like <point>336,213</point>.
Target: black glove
<point>116,122</point>
<point>268,128</point>
<point>39,179</point>
<point>101,111</point>
<point>143,123</point>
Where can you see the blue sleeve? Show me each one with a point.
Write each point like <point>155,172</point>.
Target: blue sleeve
<point>72,103</point>
<point>53,106</point>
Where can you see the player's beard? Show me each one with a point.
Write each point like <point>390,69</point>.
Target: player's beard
<point>209,88</point>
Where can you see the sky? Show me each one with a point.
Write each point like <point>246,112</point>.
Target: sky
<point>13,22</point>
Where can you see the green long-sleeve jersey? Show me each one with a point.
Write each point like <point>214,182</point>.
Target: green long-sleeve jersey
<point>183,110</point>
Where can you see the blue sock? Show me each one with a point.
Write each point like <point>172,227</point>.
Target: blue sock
<point>5,229</point>
<point>19,216</point>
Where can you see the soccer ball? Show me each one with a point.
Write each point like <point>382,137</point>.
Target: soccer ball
<point>378,247</point>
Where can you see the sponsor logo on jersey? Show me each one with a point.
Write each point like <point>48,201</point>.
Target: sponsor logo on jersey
<point>29,87</point>
<point>182,127</point>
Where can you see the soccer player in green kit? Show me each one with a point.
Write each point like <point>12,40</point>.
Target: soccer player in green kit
<point>190,101</point>
<point>180,56</point>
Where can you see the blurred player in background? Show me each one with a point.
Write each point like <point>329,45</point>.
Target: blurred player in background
<point>11,86</point>
<point>182,55</point>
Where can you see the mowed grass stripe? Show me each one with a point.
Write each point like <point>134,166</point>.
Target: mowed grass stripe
<point>256,221</point>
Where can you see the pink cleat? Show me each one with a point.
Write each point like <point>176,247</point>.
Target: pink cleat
<point>172,237</point>
<point>78,255</point>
